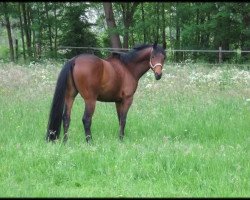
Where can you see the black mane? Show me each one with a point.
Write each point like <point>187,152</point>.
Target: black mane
<point>132,54</point>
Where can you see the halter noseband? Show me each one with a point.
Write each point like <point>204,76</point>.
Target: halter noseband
<point>150,62</point>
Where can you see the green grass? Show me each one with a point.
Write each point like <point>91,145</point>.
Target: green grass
<point>187,135</point>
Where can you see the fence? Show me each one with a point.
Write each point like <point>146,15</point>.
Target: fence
<point>220,51</point>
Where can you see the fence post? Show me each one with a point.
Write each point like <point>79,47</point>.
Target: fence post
<point>220,55</point>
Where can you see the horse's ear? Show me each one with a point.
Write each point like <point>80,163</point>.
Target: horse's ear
<point>155,45</point>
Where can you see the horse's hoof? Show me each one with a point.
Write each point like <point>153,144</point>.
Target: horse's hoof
<point>121,138</point>
<point>89,139</point>
<point>65,138</point>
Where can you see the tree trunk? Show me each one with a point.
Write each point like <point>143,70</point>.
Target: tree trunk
<point>34,44</point>
<point>29,20</point>
<point>128,10</point>
<point>143,22</point>
<point>56,31</point>
<point>49,26</point>
<point>197,24</point>
<point>164,43</point>
<point>197,32</point>
<point>26,29</point>
<point>208,34</point>
<point>39,36</point>
<point>7,21</point>
<point>22,34</point>
<point>132,38</point>
<point>16,48</point>
<point>158,21</point>
<point>126,35</point>
<point>245,37</point>
<point>170,29</point>
<point>177,42</point>
<point>109,15</point>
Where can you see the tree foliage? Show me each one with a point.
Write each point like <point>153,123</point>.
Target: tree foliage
<point>76,30</point>
<point>38,29</point>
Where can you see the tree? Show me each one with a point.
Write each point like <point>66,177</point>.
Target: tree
<point>128,10</point>
<point>164,43</point>
<point>49,26</point>
<point>21,27</point>
<point>8,28</point>
<point>42,27</point>
<point>26,27</point>
<point>245,31</point>
<point>76,30</point>
<point>143,23</point>
<point>109,16</point>
<point>56,28</point>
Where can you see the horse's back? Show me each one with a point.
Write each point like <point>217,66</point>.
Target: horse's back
<point>93,66</point>
<point>88,61</point>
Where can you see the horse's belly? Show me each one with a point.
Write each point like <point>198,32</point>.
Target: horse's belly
<point>109,96</point>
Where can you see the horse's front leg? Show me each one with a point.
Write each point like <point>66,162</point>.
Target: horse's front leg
<point>87,118</point>
<point>122,111</point>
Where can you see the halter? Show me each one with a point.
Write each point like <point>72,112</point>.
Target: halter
<point>150,62</point>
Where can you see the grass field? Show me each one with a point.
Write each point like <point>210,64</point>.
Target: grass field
<point>187,135</point>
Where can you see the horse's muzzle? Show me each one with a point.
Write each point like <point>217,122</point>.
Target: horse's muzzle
<point>158,76</point>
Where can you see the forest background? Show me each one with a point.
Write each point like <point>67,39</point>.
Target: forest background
<point>36,30</point>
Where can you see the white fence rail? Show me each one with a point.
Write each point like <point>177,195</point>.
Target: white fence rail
<point>174,50</point>
<point>220,51</point>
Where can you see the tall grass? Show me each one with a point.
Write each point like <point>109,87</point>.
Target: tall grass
<point>187,135</point>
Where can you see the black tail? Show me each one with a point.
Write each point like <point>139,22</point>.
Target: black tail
<point>57,106</point>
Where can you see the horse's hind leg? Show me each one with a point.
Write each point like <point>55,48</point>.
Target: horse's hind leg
<point>69,100</point>
<point>87,117</point>
<point>66,116</point>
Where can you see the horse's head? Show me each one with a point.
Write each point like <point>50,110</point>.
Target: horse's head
<point>157,57</point>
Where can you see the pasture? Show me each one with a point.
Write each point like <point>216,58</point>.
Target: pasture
<point>187,135</point>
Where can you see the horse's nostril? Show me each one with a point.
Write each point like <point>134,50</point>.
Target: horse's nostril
<point>157,76</point>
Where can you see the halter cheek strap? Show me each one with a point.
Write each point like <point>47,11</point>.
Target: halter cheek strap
<point>151,64</point>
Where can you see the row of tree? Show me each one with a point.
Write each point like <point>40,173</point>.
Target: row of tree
<point>37,29</point>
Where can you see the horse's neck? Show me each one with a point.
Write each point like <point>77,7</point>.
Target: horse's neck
<point>141,65</point>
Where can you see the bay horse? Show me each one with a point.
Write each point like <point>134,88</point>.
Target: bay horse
<point>113,79</point>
